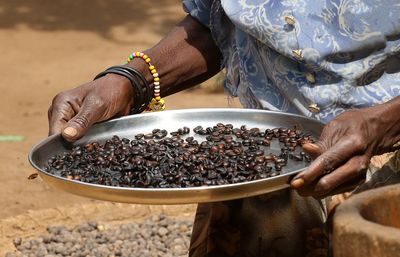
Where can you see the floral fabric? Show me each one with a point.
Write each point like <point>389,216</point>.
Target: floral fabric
<point>292,55</point>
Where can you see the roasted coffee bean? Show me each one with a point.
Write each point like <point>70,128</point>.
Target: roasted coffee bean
<point>148,136</point>
<point>197,129</point>
<point>209,130</point>
<point>174,133</point>
<point>280,161</point>
<point>159,135</point>
<point>155,131</point>
<point>189,139</point>
<point>214,149</point>
<point>216,138</point>
<point>254,132</point>
<point>215,134</point>
<point>253,147</point>
<point>246,142</point>
<point>260,159</point>
<point>259,153</point>
<point>186,130</point>
<point>157,161</point>
<point>139,136</point>
<point>297,157</point>
<point>89,147</point>
<point>202,132</point>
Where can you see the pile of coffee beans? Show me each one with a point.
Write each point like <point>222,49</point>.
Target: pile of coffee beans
<point>156,236</point>
<point>226,155</point>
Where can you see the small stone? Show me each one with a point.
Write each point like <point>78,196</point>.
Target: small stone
<point>183,228</point>
<point>179,241</point>
<point>162,231</point>
<point>26,245</point>
<point>46,239</point>
<point>93,223</point>
<point>179,249</point>
<point>100,228</point>
<point>147,238</point>
<point>17,241</point>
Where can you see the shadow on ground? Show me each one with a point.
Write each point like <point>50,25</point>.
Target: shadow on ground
<point>97,16</point>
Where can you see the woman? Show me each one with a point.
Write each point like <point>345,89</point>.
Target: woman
<point>336,61</point>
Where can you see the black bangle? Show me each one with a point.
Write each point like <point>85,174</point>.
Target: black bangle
<point>140,77</point>
<point>145,83</point>
<point>143,94</point>
<point>138,98</point>
<point>141,104</point>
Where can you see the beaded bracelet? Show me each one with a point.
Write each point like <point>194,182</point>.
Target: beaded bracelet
<point>157,103</point>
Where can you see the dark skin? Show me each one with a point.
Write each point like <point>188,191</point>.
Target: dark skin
<point>187,56</point>
<point>345,148</point>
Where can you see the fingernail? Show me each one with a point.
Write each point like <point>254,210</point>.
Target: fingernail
<point>298,182</point>
<point>70,131</point>
<point>310,147</point>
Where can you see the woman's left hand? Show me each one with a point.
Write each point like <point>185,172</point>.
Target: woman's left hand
<point>345,148</point>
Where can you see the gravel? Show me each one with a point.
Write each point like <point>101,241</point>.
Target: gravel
<point>155,236</point>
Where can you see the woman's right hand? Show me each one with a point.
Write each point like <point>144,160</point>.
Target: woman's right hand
<point>72,112</point>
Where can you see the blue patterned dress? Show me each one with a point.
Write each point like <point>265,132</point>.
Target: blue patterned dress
<point>317,58</point>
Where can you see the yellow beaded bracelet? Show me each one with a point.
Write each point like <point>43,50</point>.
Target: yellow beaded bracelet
<point>157,103</point>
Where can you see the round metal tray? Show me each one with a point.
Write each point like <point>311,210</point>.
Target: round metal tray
<point>172,120</point>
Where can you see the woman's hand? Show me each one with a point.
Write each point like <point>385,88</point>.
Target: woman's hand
<point>196,59</point>
<point>345,148</point>
<point>72,112</point>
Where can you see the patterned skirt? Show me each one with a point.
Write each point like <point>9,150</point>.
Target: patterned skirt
<point>278,224</point>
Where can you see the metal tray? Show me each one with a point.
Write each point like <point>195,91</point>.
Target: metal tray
<point>171,121</point>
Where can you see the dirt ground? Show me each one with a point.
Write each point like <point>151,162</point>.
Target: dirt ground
<point>49,46</point>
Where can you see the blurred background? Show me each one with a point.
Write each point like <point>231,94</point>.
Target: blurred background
<point>47,46</point>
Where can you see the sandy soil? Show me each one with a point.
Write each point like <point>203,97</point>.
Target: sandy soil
<point>49,46</point>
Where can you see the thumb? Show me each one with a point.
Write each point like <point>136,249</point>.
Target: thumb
<point>81,122</point>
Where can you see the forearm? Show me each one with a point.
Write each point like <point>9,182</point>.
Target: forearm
<point>185,57</point>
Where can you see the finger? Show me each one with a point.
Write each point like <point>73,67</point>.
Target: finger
<point>354,168</point>
<point>343,179</point>
<point>313,149</point>
<point>348,186</point>
<point>326,162</point>
<point>58,116</point>
<point>343,188</point>
<point>92,111</point>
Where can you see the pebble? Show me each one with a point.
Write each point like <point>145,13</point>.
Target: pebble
<point>162,231</point>
<point>158,236</point>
